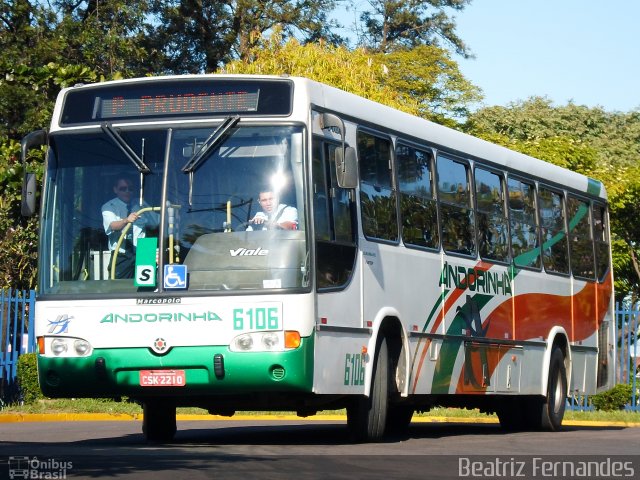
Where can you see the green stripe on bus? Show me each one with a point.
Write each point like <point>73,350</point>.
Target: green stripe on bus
<point>594,187</point>
<point>451,346</point>
<point>244,372</point>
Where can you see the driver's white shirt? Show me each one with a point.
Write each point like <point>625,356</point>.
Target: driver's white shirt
<point>283,213</point>
<point>116,209</point>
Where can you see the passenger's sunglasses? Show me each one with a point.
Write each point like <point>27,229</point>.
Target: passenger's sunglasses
<point>125,189</point>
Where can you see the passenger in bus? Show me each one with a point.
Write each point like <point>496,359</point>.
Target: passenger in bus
<point>274,215</point>
<point>119,212</point>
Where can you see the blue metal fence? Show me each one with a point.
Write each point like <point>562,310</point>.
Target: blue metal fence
<point>17,336</point>
<point>627,355</point>
<point>627,362</point>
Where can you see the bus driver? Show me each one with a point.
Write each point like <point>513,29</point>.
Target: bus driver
<point>274,214</point>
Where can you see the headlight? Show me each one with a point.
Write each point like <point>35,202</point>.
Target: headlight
<point>271,341</point>
<point>82,347</point>
<point>66,347</point>
<point>244,342</point>
<point>58,346</point>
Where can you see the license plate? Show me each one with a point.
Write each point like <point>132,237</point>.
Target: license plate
<point>162,378</point>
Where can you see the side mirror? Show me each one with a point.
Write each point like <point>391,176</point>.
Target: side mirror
<point>28,208</point>
<point>33,139</point>
<point>331,121</point>
<point>346,168</point>
<point>345,157</point>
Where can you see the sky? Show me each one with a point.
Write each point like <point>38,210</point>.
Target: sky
<point>585,51</point>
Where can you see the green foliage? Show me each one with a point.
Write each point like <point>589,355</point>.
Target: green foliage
<point>423,81</point>
<point>356,71</point>
<point>193,36</point>
<point>18,245</point>
<point>28,378</point>
<point>614,399</point>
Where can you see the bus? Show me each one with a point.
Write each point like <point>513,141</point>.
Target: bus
<point>420,266</point>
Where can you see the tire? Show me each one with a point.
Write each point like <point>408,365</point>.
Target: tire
<point>367,416</point>
<point>553,406</point>
<point>546,413</point>
<point>159,421</point>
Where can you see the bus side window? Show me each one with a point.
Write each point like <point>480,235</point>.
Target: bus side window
<point>456,213</point>
<point>377,197</point>
<point>525,245</point>
<point>418,207</point>
<point>554,236</point>
<point>333,220</point>
<point>580,238</point>
<point>320,194</point>
<point>492,222</point>
<point>601,237</point>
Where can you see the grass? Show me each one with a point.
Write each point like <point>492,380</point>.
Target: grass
<point>87,405</point>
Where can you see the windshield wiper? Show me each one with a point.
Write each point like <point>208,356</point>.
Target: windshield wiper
<point>210,143</point>
<point>116,138</point>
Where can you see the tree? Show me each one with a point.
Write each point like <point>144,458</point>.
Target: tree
<point>427,75</point>
<point>197,36</point>
<point>106,35</point>
<point>423,81</point>
<point>392,24</point>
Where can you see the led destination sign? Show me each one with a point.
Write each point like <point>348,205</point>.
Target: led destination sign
<point>180,104</point>
<point>176,97</point>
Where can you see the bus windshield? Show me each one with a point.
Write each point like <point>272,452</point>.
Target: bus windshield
<point>116,203</point>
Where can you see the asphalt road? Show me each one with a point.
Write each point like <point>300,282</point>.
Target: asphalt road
<point>312,449</point>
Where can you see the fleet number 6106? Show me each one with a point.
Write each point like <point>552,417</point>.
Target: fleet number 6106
<point>260,318</point>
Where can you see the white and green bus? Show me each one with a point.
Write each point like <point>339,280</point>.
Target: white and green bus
<point>419,266</point>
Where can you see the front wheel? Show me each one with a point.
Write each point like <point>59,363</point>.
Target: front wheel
<point>367,416</point>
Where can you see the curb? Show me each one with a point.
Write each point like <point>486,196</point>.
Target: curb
<point>109,417</point>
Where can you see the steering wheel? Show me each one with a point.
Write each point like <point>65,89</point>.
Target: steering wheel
<point>123,234</point>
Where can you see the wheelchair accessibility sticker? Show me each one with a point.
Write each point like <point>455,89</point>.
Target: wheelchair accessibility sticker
<point>175,276</point>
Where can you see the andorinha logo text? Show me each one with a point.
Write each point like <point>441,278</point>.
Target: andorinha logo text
<point>475,279</point>
<point>177,317</point>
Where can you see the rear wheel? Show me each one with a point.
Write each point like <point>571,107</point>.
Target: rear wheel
<point>551,409</point>
<point>367,416</point>
<point>159,421</point>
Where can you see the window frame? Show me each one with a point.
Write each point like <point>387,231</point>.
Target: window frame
<point>536,213</point>
<point>502,179</point>
<point>392,180</point>
<point>324,143</point>
<point>434,193</point>
<point>471,204</point>
<point>562,192</point>
<point>589,203</point>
